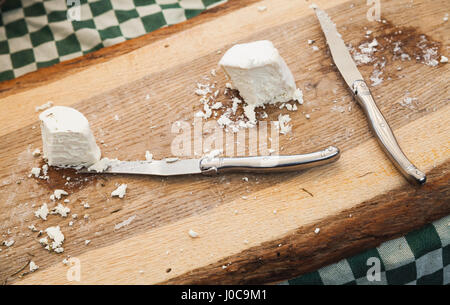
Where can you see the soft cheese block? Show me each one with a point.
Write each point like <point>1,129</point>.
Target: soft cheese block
<point>259,73</point>
<point>67,138</point>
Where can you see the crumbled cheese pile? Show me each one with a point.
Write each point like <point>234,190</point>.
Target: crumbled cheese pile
<point>365,53</point>
<point>424,51</point>
<point>228,108</point>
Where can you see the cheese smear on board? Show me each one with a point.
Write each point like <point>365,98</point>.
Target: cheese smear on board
<point>260,74</point>
<point>67,138</point>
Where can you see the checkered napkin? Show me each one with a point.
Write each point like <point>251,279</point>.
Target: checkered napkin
<point>36,33</point>
<point>421,257</point>
<point>40,33</point>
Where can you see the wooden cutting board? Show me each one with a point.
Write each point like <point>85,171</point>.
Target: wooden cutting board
<point>260,231</point>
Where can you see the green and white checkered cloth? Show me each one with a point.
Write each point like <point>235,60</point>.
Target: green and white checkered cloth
<point>35,34</point>
<point>421,257</point>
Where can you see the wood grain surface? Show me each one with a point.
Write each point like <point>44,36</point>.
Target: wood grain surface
<point>260,231</point>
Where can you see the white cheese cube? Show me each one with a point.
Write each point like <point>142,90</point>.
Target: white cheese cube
<point>67,138</point>
<point>259,73</point>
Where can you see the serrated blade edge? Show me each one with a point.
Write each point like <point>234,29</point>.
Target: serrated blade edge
<point>339,51</point>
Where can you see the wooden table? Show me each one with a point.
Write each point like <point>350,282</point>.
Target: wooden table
<point>357,203</point>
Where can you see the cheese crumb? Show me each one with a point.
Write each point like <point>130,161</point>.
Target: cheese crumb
<point>192,233</point>
<point>444,59</point>
<point>33,266</point>
<point>102,165</point>
<point>120,191</point>
<point>9,243</point>
<point>44,106</point>
<point>59,193</point>
<point>213,154</point>
<point>42,212</point>
<point>32,228</point>
<point>148,156</point>
<point>36,152</point>
<point>35,171</point>
<point>317,230</point>
<point>61,210</point>
<point>216,105</point>
<point>262,8</point>
<point>298,96</point>
<point>283,121</point>
<point>58,238</point>
<point>43,241</point>
<point>124,223</point>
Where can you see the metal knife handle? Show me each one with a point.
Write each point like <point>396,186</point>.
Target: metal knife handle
<point>264,164</point>
<point>384,134</point>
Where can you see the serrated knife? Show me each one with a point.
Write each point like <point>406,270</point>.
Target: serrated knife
<point>258,164</point>
<point>347,67</point>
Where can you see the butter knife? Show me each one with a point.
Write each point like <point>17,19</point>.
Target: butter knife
<point>258,164</point>
<point>347,67</point>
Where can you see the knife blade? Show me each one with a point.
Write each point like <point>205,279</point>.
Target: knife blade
<point>347,67</point>
<point>341,55</point>
<point>155,167</point>
<point>218,165</point>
